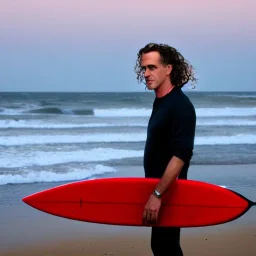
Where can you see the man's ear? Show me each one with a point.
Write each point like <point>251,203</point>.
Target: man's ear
<point>169,69</point>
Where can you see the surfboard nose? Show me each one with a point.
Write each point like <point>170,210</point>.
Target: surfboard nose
<point>27,200</point>
<point>24,199</point>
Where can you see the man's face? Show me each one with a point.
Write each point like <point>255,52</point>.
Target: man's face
<point>155,72</point>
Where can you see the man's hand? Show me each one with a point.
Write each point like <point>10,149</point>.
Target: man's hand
<point>151,210</point>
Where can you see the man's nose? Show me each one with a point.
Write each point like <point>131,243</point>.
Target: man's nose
<point>146,73</point>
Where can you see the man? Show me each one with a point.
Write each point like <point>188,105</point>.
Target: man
<point>170,134</point>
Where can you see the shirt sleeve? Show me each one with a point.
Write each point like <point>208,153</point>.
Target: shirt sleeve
<point>183,131</point>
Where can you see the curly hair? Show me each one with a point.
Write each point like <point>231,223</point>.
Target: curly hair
<point>182,71</point>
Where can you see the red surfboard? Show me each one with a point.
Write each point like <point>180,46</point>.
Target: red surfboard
<point>121,201</point>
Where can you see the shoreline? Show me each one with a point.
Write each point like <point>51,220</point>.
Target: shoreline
<point>26,231</point>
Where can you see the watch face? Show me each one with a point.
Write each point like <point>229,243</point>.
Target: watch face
<point>157,194</point>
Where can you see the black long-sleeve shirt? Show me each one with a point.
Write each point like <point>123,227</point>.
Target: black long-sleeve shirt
<point>171,132</point>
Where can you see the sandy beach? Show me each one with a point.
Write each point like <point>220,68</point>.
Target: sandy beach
<point>26,231</point>
<point>239,241</point>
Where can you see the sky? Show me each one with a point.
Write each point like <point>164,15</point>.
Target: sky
<point>92,45</point>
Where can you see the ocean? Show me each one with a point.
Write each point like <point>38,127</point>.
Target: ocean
<point>61,137</point>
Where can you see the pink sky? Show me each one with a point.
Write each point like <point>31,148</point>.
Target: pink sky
<point>70,17</point>
<point>71,37</point>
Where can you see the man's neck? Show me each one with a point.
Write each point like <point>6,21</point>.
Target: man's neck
<point>163,90</point>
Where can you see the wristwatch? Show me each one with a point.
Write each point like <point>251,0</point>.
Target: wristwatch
<point>157,194</point>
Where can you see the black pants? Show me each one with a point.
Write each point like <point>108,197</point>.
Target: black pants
<point>165,241</point>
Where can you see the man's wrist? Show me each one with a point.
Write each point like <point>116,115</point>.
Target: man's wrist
<point>157,194</point>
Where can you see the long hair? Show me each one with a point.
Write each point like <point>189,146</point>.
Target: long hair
<point>182,70</point>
